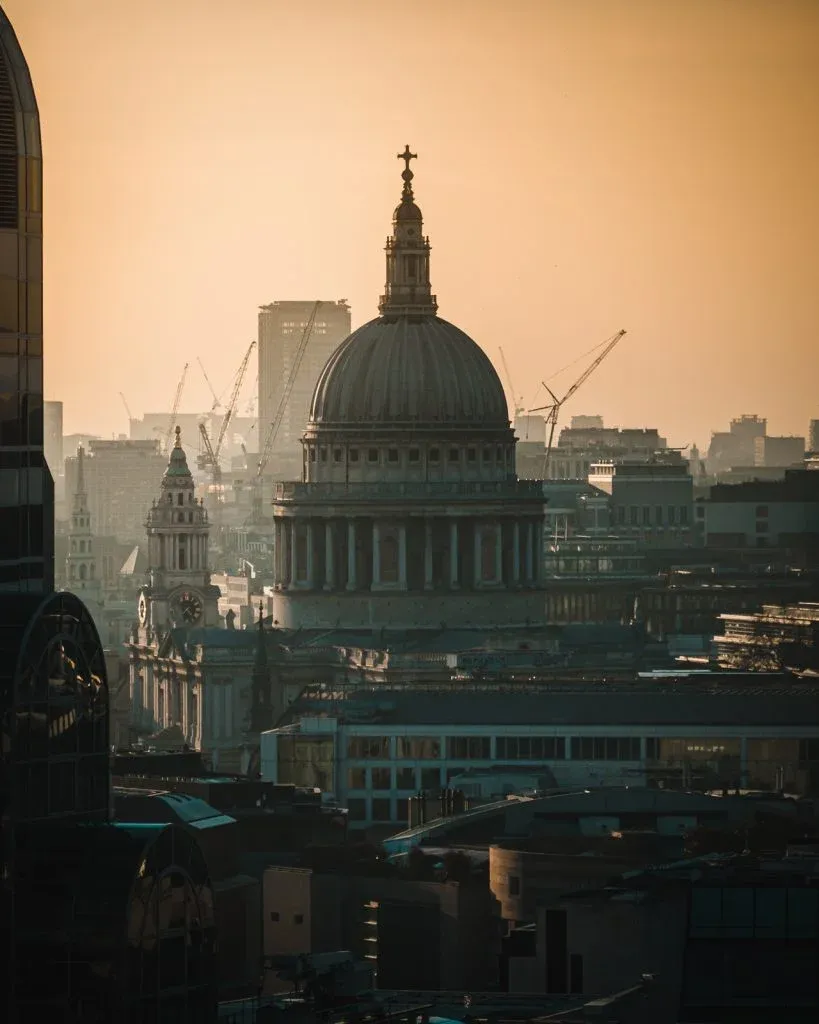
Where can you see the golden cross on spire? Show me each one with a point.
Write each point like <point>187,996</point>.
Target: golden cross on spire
<point>406,156</point>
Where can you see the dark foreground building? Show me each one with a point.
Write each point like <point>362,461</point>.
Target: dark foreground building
<point>99,921</point>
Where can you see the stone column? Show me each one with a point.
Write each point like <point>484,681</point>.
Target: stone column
<point>329,556</point>
<point>427,554</point>
<point>352,581</point>
<point>498,553</point>
<point>516,553</point>
<point>453,554</point>
<point>402,556</point>
<point>309,550</point>
<point>293,547</point>
<point>376,553</point>
<point>529,553</point>
<point>477,552</point>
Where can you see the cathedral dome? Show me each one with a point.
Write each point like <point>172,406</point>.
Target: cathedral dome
<point>409,367</point>
<point>409,370</point>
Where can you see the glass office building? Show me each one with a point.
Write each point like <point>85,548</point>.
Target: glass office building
<point>26,487</point>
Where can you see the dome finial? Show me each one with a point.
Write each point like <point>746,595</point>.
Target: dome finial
<point>178,442</point>
<point>407,174</point>
<point>408,291</point>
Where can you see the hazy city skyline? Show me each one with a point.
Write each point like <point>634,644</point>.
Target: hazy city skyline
<point>582,168</point>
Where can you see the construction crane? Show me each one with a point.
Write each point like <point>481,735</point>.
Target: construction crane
<point>273,429</point>
<point>216,403</point>
<point>213,452</point>
<point>127,409</point>
<point>172,420</point>
<point>553,411</point>
<point>515,400</point>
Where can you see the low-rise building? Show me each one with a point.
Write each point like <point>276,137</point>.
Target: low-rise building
<point>763,514</point>
<point>652,501</point>
<point>375,747</point>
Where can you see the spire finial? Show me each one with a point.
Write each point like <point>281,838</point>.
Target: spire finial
<point>407,174</point>
<point>261,615</point>
<point>178,442</point>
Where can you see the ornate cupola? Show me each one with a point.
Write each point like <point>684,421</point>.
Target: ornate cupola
<point>179,591</point>
<point>408,291</point>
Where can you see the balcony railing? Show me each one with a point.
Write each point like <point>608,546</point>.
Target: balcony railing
<point>419,490</point>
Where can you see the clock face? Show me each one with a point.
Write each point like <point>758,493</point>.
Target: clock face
<point>143,610</point>
<point>189,606</point>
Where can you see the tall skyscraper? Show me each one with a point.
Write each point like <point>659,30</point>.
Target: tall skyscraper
<point>281,327</point>
<point>26,486</point>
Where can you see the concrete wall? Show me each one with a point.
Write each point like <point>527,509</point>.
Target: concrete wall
<point>407,611</point>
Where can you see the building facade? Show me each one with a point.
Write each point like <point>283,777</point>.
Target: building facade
<point>409,511</point>
<point>764,513</point>
<point>652,501</point>
<point>380,746</point>
<point>281,326</point>
<point>121,480</point>
<point>26,484</point>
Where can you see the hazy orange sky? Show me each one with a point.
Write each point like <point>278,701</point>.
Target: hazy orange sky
<point>585,165</point>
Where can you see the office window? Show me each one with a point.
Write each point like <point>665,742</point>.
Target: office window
<point>274,915</point>
<point>372,455</point>
<point>672,517</point>
<point>392,455</point>
<point>381,778</point>
<point>453,455</point>
<point>469,748</point>
<point>356,809</point>
<point>417,748</point>
<point>431,779</point>
<point>652,748</point>
<point>762,511</point>
<point>353,455</point>
<point>606,748</point>
<point>646,516</point>
<point>513,885</point>
<point>337,455</point>
<point>632,515</point>
<point>683,515</point>
<point>405,778</point>
<point>487,455</point>
<point>435,455</point>
<point>357,778</point>
<point>298,919</point>
<point>529,748</point>
<point>376,747</point>
<point>382,810</point>
<point>499,454</point>
<point>762,525</point>
<point>323,454</point>
<point>658,515</point>
<point>471,455</point>
<point>414,455</point>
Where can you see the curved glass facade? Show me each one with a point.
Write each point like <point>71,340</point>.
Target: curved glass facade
<point>26,486</point>
<point>119,920</point>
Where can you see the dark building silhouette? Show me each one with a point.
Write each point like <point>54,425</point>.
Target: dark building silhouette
<point>26,486</point>
<point>99,921</point>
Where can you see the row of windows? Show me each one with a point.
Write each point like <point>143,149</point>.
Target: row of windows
<point>660,515</point>
<point>507,748</point>
<point>534,748</point>
<point>392,456</point>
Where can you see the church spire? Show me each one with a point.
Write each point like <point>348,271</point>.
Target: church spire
<point>261,710</point>
<point>408,291</point>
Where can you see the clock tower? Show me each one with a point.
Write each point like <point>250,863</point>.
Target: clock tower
<point>179,591</point>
